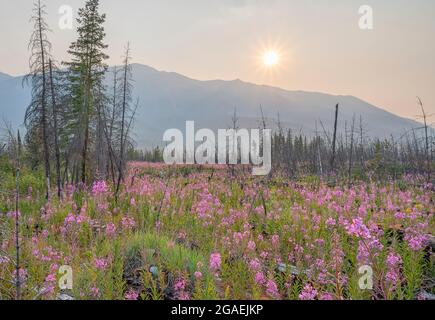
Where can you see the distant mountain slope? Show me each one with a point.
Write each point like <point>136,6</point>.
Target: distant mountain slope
<point>4,76</point>
<point>14,98</point>
<point>169,99</point>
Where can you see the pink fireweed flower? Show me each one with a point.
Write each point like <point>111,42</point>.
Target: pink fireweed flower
<point>326,296</point>
<point>400,215</point>
<point>180,290</point>
<point>215,261</point>
<point>133,202</point>
<point>13,214</point>
<point>54,268</point>
<point>299,249</point>
<point>251,245</point>
<point>50,278</point>
<point>358,229</point>
<point>49,289</point>
<point>308,293</point>
<point>180,285</point>
<point>4,260</point>
<point>272,289</point>
<point>95,292</point>
<point>99,187</point>
<point>264,254</point>
<point>183,296</point>
<point>416,241</point>
<point>102,206</point>
<point>198,275</point>
<point>319,242</point>
<point>275,240</point>
<point>330,222</point>
<point>394,262</point>
<point>362,211</point>
<point>110,229</point>
<point>22,275</point>
<point>259,278</point>
<point>101,264</point>
<point>70,218</point>
<point>131,295</point>
<point>255,264</point>
<point>81,218</point>
<point>128,223</point>
<point>368,249</point>
<point>237,237</point>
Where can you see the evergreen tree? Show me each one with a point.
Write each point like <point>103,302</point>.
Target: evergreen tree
<point>86,75</point>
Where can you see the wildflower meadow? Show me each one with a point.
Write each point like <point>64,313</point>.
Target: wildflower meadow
<point>203,232</point>
<point>296,169</point>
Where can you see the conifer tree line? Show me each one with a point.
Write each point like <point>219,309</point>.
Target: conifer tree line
<point>80,117</point>
<point>352,153</point>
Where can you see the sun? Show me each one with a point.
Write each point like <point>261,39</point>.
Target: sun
<point>271,58</point>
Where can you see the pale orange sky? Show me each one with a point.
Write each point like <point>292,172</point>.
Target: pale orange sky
<point>322,47</point>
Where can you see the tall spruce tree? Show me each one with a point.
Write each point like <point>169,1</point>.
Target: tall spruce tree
<point>86,74</point>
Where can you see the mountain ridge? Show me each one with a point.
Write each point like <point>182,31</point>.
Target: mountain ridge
<point>168,99</point>
<point>4,76</point>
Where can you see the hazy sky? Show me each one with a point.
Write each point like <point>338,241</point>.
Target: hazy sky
<point>322,47</point>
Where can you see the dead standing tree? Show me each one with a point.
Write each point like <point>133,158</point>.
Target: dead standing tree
<point>37,113</point>
<point>15,147</point>
<point>334,139</point>
<point>126,89</point>
<point>361,143</point>
<point>319,156</point>
<point>17,219</point>
<point>110,131</point>
<point>55,129</point>
<point>352,130</point>
<point>428,155</point>
<point>234,144</point>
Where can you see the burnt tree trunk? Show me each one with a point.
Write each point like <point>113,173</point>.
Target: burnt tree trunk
<point>56,133</point>
<point>44,108</point>
<point>334,139</point>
